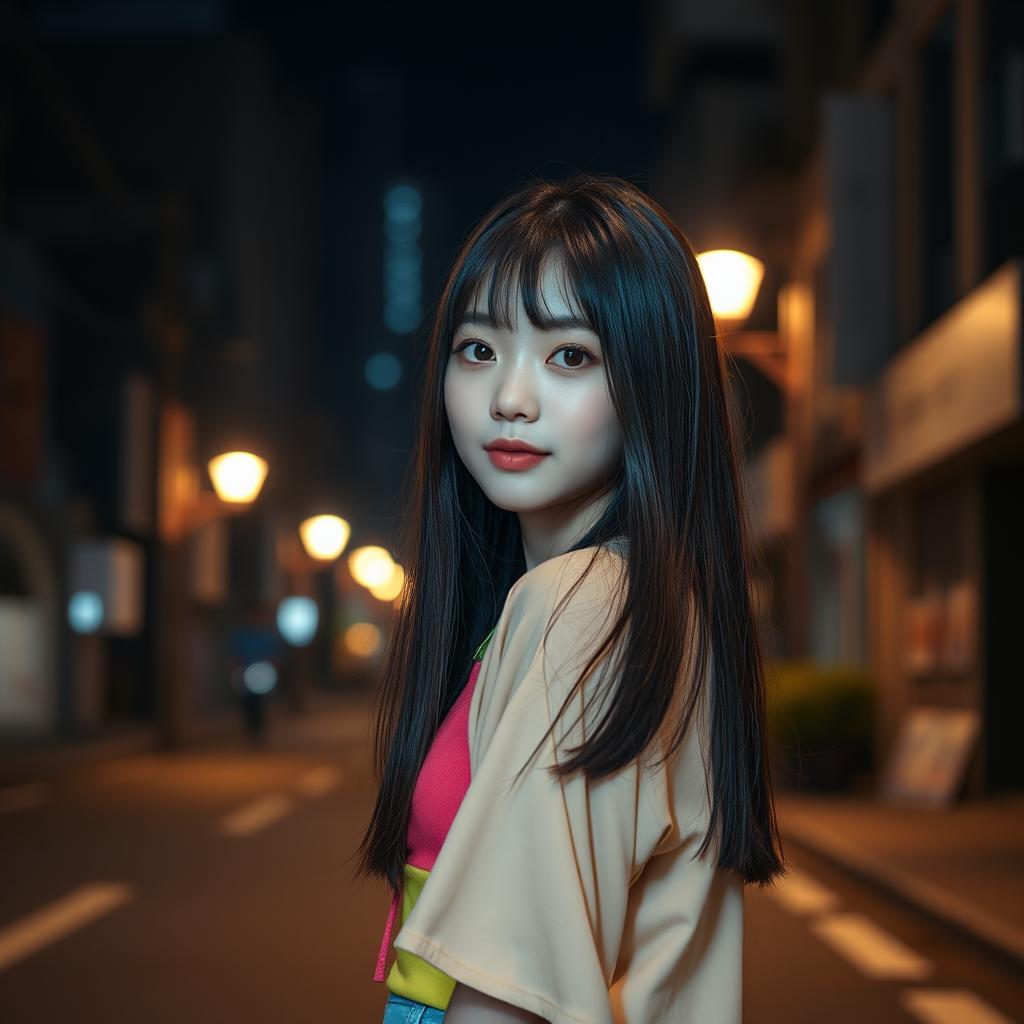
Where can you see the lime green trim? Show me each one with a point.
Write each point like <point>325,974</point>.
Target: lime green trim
<point>411,976</point>
<point>483,645</point>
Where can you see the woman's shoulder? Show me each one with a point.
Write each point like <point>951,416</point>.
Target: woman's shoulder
<point>555,617</point>
<point>591,573</point>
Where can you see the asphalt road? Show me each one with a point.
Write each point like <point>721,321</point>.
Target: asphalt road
<point>216,885</point>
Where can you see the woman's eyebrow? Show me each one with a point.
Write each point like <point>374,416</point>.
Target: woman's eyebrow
<point>565,322</point>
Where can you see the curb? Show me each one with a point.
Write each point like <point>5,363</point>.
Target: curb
<point>997,936</point>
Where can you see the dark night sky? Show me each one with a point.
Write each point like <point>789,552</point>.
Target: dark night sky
<point>464,100</point>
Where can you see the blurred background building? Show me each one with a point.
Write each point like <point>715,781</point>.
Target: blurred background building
<point>242,256</point>
<point>223,228</point>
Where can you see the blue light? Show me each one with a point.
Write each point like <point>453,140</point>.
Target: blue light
<point>401,317</point>
<point>297,620</point>
<point>402,232</point>
<point>402,291</point>
<point>260,677</point>
<point>403,203</point>
<point>85,611</point>
<point>383,371</point>
<point>404,261</point>
<point>403,264</point>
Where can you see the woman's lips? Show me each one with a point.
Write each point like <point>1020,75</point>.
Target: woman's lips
<point>514,461</point>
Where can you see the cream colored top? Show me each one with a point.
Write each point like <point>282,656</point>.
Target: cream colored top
<point>580,902</point>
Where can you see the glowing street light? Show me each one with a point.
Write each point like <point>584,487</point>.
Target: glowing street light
<point>390,589</point>
<point>732,279</point>
<point>371,566</point>
<point>362,639</point>
<point>324,537</point>
<point>238,476</point>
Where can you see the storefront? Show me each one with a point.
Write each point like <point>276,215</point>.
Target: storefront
<point>943,465</point>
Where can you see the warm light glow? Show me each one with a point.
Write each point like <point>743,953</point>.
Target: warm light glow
<point>389,590</point>
<point>238,476</point>
<point>324,537</point>
<point>732,279</point>
<point>362,639</point>
<point>371,566</point>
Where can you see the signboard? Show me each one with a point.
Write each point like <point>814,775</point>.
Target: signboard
<point>955,384</point>
<point>930,755</point>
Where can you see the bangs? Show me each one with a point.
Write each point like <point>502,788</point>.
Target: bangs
<point>509,263</point>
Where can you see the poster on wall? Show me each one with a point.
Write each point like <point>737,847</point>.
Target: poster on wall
<point>923,638</point>
<point>959,627</point>
<point>927,762</point>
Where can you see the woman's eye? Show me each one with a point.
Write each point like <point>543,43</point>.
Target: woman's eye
<point>472,343</point>
<point>575,360</point>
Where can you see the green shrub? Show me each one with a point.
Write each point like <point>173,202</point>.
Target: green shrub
<point>820,723</point>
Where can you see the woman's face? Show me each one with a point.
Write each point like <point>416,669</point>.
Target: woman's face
<point>545,387</point>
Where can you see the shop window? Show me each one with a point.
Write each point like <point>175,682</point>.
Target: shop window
<point>941,612</point>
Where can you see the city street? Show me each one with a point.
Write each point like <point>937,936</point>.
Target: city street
<point>213,885</point>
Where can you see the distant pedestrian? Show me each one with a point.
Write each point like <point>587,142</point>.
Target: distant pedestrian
<point>255,660</point>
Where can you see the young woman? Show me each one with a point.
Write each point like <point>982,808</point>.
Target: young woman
<point>567,831</point>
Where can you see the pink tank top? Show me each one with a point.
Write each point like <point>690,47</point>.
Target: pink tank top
<point>442,783</point>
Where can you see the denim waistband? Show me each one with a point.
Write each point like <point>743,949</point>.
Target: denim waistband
<point>400,1010</point>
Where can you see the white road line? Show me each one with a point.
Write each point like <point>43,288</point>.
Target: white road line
<point>318,781</point>
<point>950,1006</point>
<point>255,815</point>
<point>20,798</point>
<point>799,893</point>
<point>872,950</point>
<point>51,923</point>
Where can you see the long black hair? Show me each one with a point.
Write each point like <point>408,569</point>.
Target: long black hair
<point>676,498</point>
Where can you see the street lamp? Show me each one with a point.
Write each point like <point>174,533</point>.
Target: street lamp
<point>733,280</point>
<point>237,476</point>
<point>371,566</point>
<point>392,588</point>
<point>324,537</point>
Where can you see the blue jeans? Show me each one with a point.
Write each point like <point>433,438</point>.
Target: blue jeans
<point>400,1010</point>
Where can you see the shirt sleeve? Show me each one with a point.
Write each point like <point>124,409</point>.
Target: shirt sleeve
<point>681,956</point>
<point>528,898</point>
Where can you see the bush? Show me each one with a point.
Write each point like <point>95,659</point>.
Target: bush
<point>820,724</point>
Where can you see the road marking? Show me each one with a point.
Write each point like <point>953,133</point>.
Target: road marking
<point>52,922</point>
<point>20,798</point>
<point>950,1006</point>
<point>318,781</point>
<point>799,893</point>
<point>256,815</point>
<point>872,950</point>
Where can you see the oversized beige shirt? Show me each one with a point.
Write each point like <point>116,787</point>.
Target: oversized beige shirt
<point>580,902</point>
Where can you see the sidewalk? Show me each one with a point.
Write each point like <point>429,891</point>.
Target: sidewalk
<point>962,865</point>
